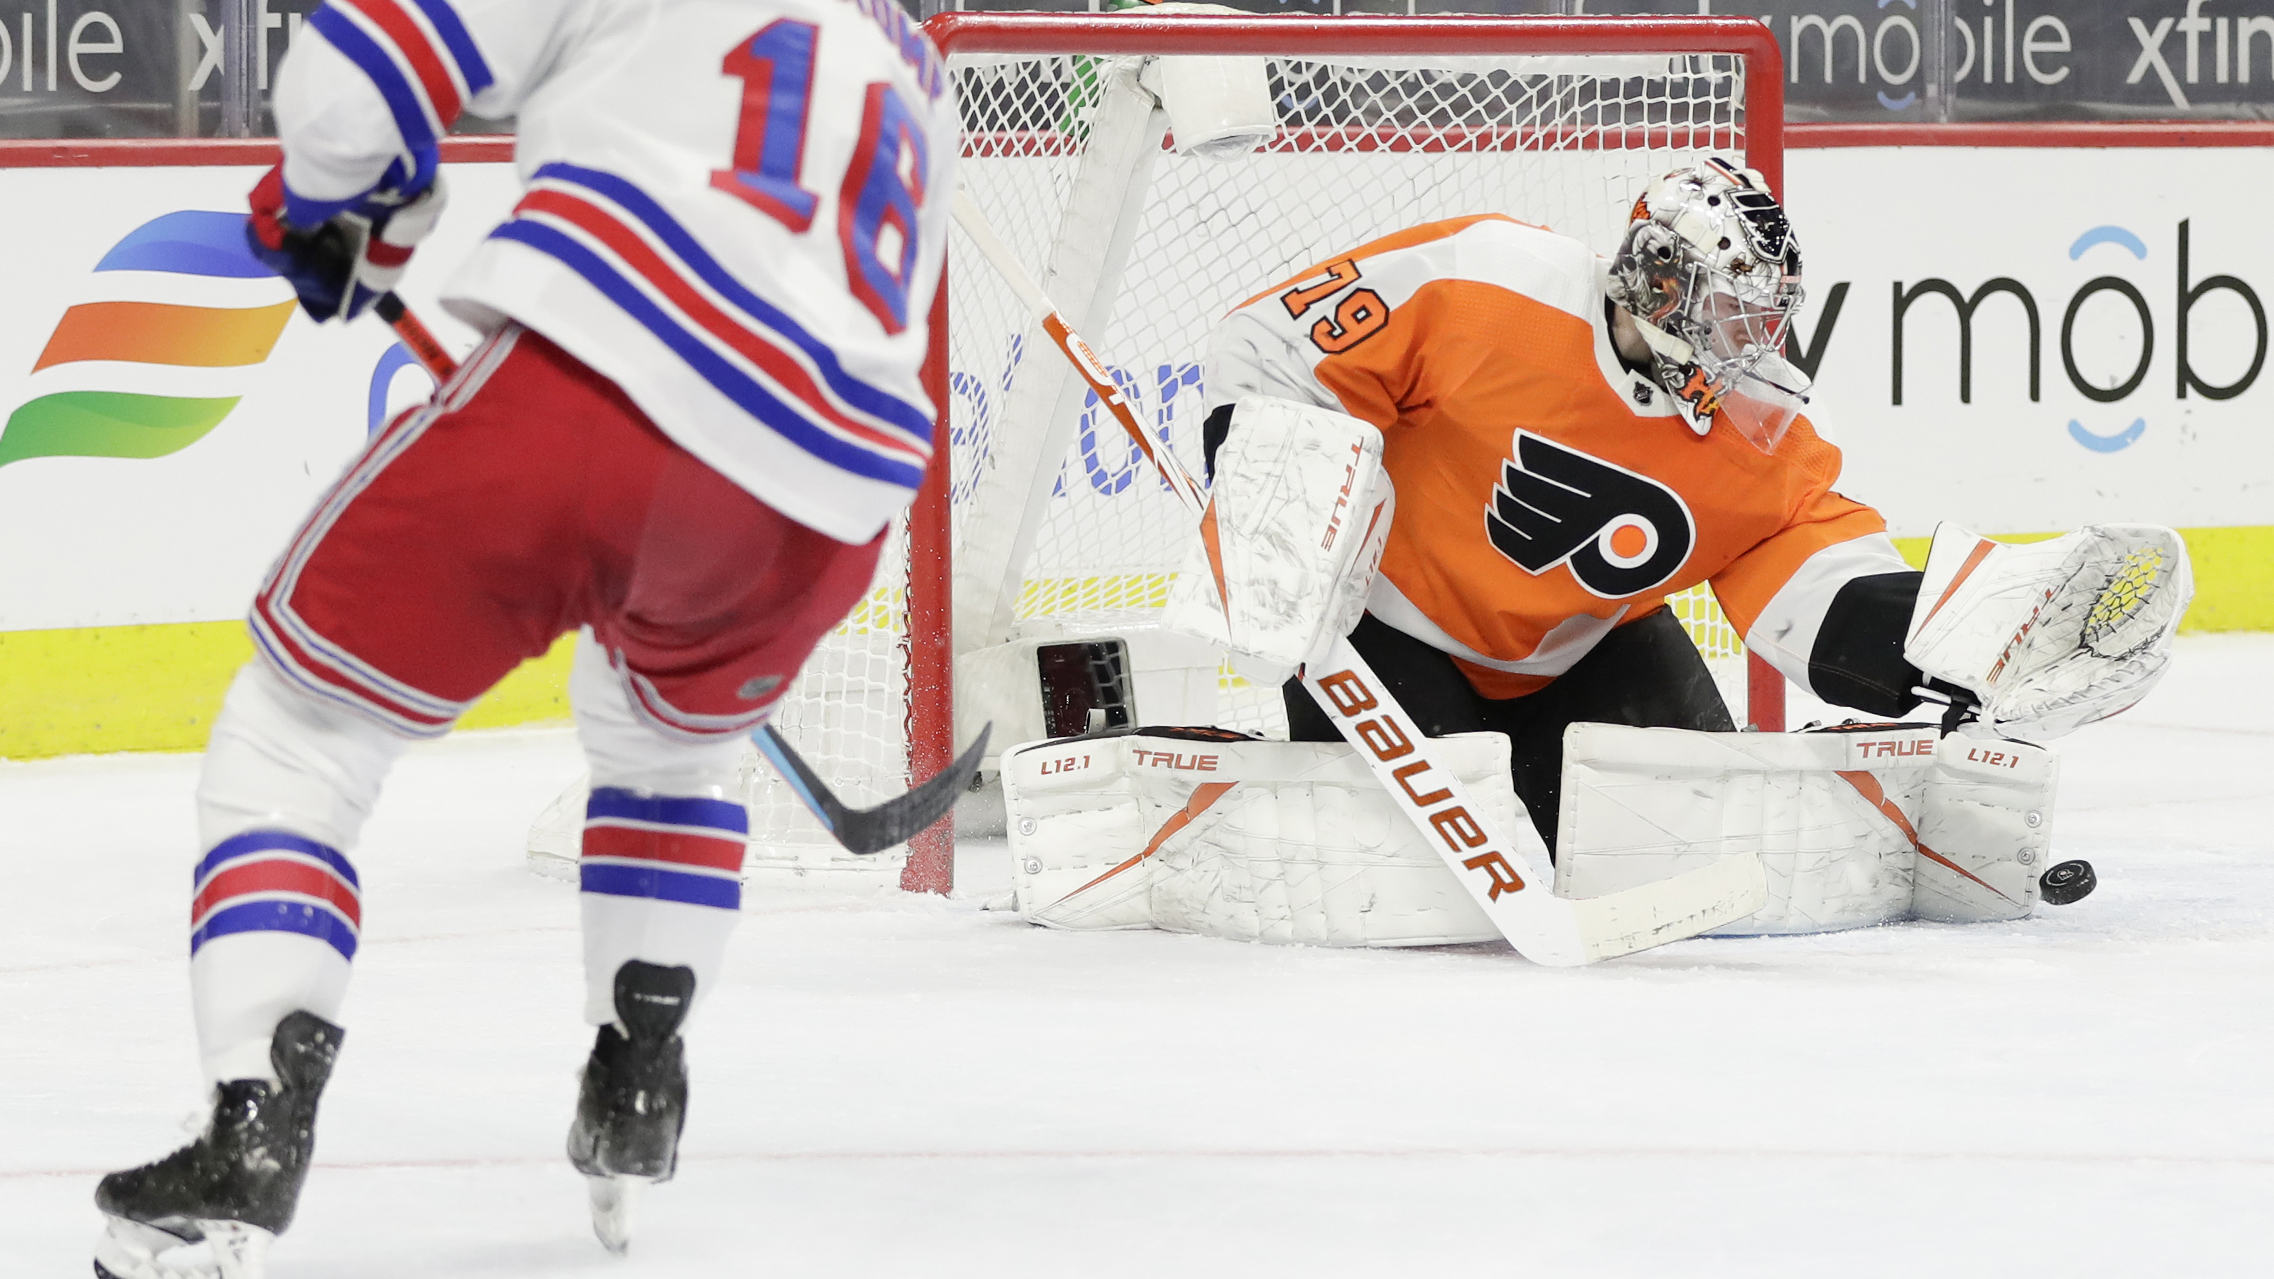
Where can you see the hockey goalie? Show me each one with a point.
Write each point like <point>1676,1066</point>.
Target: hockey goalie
<point>1536,446</point>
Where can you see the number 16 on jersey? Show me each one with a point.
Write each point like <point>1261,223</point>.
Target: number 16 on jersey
<point>883,185</point>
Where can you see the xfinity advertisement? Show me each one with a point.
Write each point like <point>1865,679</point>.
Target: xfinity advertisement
<point>2020,344</point>
<point>152,68</point>
<point>1930,60</point>
<point>1927,61</point>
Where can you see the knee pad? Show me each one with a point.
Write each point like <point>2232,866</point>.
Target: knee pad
<point>627,750</point>
<point>279,759</point>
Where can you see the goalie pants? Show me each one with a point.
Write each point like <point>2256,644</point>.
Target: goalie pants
<point>529,498</point>
<point>1646,674</point>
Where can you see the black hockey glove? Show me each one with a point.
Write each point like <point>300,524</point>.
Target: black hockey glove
<point>342,265</point>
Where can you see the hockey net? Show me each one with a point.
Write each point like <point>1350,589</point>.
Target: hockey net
<point>1058,530</point>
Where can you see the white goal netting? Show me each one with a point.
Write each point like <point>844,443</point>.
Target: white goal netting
<point>1059,529</point>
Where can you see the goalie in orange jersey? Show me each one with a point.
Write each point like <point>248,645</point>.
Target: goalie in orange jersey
<point>1573,439</point>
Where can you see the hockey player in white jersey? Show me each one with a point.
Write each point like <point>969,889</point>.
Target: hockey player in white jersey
<point>697,407</point>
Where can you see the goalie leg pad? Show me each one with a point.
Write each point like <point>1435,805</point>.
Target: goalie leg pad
<point>1289,842</point>
<point>1855,827</point>
<point>1985,831</point>
<point>1218,107</point>
<point>1643,804</point>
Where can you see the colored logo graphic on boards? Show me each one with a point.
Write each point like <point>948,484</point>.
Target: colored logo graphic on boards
<point>157,335</point>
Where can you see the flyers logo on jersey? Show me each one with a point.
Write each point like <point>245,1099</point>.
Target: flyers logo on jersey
<point>1618,532</point>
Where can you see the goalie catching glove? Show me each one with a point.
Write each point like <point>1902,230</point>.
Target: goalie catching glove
<point>1296,521</point>
<point>344,263</point>
<point>2050,636</point>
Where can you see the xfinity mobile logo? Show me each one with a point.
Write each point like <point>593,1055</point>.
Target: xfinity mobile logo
<point>2106,334</point>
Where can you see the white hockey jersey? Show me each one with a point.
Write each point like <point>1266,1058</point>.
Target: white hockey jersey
<point>736,210</point>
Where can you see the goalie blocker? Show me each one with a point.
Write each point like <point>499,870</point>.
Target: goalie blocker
<point>1205,831</point>
<point>1297,519</point>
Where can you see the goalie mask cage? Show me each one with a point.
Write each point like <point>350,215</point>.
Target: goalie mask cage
<point>1046,519</point>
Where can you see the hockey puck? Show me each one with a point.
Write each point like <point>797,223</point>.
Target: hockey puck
<point>2066,883</point>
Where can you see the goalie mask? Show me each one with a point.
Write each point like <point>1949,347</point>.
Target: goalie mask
<point>1710,272</point>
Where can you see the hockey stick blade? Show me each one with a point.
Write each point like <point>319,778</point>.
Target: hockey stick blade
<point>896,820</point>
<point>1669,910</point>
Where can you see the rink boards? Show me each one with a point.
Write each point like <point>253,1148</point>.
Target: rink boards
<point>168,418</point>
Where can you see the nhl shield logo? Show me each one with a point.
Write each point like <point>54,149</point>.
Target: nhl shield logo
<point>1618,532</point>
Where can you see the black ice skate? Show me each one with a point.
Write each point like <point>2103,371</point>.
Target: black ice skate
<point>211,1209</point>
<point>634,1099</point>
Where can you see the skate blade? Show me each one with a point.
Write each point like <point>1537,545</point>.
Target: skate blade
<point>615,1208</point>
<point>230,1250</point>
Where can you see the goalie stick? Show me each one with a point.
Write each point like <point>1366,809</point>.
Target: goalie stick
<point>1544,928</point>
<point>857,830</point>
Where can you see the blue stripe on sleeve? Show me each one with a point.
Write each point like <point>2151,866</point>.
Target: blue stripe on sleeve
<point>868,399</point>
<point>301,211</point>
<point>463,51</point>
<point>403,101</point>
<point>720,815</point>
<point>304,211</point>
<point>262,841</point>
<point>731,382</point>
<point>274,916</point>
<point>663,885</point>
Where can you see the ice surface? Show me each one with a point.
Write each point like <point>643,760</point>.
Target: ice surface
<point>892,1085</point>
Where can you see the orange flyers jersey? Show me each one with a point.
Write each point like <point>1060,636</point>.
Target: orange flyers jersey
<point>1545,491</point>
